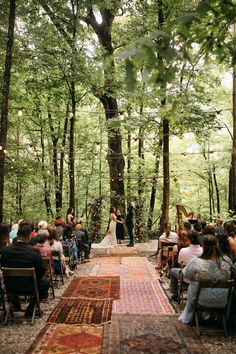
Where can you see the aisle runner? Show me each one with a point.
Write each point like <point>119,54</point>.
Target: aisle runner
<point>68,339</point>
<point>94,287</point>
<point>157,334</point>
<point>142,320</point>
<point>138,296</point>
<point>82,310</point>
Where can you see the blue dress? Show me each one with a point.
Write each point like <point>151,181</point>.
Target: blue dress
<point>205,269</point>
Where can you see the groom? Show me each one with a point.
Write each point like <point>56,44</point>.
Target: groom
<point>130,225</point>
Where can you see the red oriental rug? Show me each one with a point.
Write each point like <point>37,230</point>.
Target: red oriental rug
<point>67,339</point>
<point>82,310</point>
<point>142,296</point>
<point>94,287</point>
<point>156,334</point>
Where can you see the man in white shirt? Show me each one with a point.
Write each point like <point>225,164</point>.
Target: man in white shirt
<point>186,255</point>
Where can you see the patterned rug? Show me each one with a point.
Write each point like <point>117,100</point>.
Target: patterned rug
<point>142,297</point>
<point>142,334</point>
<point>106,260</point>
<point>94,287</point>
<point>66,339</point>
<point>82,310</point>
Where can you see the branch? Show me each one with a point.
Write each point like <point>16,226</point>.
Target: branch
<point>57,24</point>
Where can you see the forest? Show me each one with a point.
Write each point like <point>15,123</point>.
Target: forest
<point>117,102</point>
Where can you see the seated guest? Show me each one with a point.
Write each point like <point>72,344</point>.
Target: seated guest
<point>59,224</point>
<point>186,255</point>
<point>42,225</point>
<point>198,228</point>
<point>22,255</point>
<point>4,235</point>
<point>229,228</point>
<point>182,243</point>
<point>209,230</point>
<point>42,247</point>
<point>81,235</point>
<point>210,266</point>
<point>166,237</point>
<point>69,238</point>
<point>13,232</point>
<point>219,227</point>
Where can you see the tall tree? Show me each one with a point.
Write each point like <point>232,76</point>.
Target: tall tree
<point>107,96</point>
<point>232,179</point>
<point>5,98</point>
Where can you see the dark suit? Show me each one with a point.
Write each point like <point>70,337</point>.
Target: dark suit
<point>23,255</point>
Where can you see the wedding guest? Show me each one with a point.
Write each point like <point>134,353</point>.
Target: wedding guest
<point>70,219</point>
<point>22,255</point>
<point>166,237</point>
<point>229,228</point>
<point>210,266</point>
<point>185,256</point>
<point>81,236</point>
<point>4,235</point>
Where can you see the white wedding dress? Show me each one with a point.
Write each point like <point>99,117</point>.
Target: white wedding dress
<point>109,240</point>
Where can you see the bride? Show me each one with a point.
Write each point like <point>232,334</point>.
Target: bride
<point>109,240</point>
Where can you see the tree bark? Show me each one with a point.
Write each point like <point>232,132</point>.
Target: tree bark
<point>71,151</point>
<point>166,173</point>
<point>62,155</point>
<point>5,97</point>
<point>54,137</point>
<point>154,187</point>
<point>45,184</point>
<point>232,179</point>
<point>128,163</point>
<point>217,190</point>
<point>107,96</point>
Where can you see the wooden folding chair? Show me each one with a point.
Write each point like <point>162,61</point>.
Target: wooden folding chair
<point>81,252</point>
<point>49,273</point>
<point>2,298</point>
<point>221,311</point>
<point>15,273</point>
<point>182,287</point>
<point>57,256</point>
<point>164,252</point>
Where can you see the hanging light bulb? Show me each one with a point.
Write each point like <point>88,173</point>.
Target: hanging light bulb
<point>71,115</point>
<point>20,112</point>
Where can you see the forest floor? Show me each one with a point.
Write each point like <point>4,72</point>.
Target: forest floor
<point>19,334</point>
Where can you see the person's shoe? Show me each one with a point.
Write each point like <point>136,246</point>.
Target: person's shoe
<point>174,297</point>
<point>130,245</point>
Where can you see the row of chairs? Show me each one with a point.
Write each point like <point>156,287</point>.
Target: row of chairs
<point>55,279</point>
<point>165,253</point>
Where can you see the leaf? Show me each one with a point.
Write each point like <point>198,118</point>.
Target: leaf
<point>188,18</point>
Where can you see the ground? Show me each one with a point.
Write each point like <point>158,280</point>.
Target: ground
<point>19,334</point>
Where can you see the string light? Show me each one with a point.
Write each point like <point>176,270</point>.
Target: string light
<point>20,112</point>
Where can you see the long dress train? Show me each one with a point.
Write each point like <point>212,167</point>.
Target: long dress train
<point>109,240</point>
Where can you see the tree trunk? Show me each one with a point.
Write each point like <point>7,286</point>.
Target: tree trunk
<point>45,184</point>
<point>62,155</point>
<point>154,187</point>
<point>128,164</point>
<point>232,180</point>
<point>107,96</point>
<point>54,138</point>
<point>166,174</point>
<point>217,190</point>
<point>210,194</point>
<point>5,96</point>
